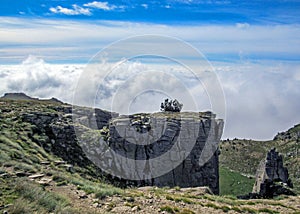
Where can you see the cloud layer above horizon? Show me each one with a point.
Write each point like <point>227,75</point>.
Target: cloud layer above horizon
<point>262,99</point>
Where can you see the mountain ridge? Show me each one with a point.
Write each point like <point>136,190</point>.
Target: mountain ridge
<point>23,96</point>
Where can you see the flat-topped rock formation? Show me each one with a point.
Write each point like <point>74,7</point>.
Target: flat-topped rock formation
<point>183,145</point>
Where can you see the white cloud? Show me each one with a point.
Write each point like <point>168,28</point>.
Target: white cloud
<point>76,10</point>
<point>39,79</point>
<point>221,40</point>
<point>242,25</point>
<point>145,6</point>
<point>262,99</point>
<point>100,5</point>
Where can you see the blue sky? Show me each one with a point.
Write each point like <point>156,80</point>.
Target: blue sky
<point>253,19</point>
<point>254,46</point>
<point>166,11</point>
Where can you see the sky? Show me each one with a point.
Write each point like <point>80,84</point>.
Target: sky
<point>252,46</point>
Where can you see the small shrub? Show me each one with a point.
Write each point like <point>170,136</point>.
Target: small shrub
<point>250,203</point>
<point>249,210</point>
<point>231,197</point>
<point>25,167</point>
<point>15,154</point>
<point>168,197</point>
<point>58,178</point>
<point>20,206</point>
<point>131,205</point>
<point>225,208</point>
<point>4,157</point>
<point>2,170</point>
<point>34,159</point>
<point>236,209</point>
<point>102,193</point>
<point>280,197</point>
<point>177,188</point>
<point>10,143</point>
<point>167,209</point>
<point>266,210</point>
<point>176,209</point>
<point>186,211</point>
<point>129,199</point>
<point>187,201</point>
<point>212,205</point>
<point>62,183</point>
<point>110,206</point>
<point>35,194</point>
<point>171,106</point>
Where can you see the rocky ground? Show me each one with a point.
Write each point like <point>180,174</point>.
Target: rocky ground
<point>138,200</point>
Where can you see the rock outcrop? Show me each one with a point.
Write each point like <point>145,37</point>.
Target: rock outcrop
<point>57,133</point>
<point>193,138</point>
<point>272,178</point>
<point>163,149</point>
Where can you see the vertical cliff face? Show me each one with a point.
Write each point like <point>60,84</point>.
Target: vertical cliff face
<point>161,149</point>
<point>170,149</point>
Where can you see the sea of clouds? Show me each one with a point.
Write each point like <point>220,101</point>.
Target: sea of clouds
<point>261,98</point>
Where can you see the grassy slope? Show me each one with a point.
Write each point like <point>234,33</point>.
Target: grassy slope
<point>233,183</point>
<point>20,157</point>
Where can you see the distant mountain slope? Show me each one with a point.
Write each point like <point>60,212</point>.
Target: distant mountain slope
<point>17,96</point>
<point>22,96</point>
<point>243,156</point>
<point>291,134</point>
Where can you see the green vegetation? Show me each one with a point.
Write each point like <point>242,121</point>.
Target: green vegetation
<point>180,199</point>
<point>29,197</point>
<point>167,209</point>
<point>100,189</point>
<point>266,210</point>
<point>186,211</point>
<point>38,197</point>
<point>233,183</point>
<point>107,191</point>
<point>22,155</point>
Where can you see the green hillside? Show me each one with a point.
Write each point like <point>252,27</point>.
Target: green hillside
<point>234,183</point>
